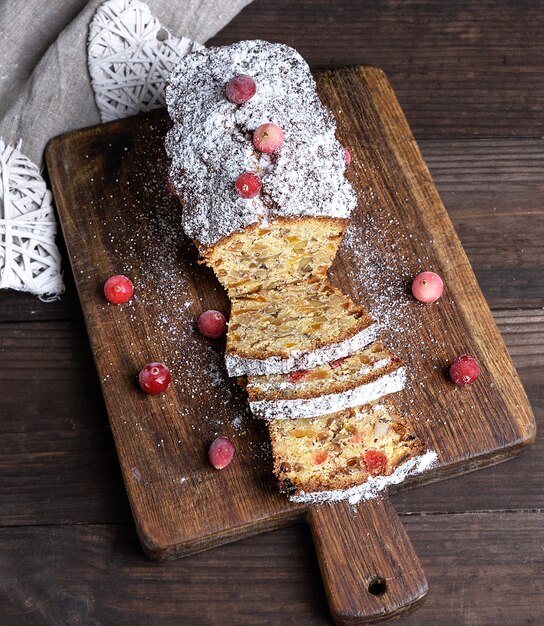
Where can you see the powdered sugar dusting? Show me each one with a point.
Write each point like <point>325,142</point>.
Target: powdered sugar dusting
<point>299,359</point>
<point>332,402</point>
<point>383,258</point>
<point>373,486</point>
<point>141,231</point>
<point>211,142</point>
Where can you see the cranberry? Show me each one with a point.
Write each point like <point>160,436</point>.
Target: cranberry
<point>154,378</point>
<point>347,155</point>
<point>248,185</point>
<point>375,461</point>
<point>464,370</point>
<point>221,452</point>
<point>212,324</point>
<point>118,289</point>
<point>337,363</point>
<point>240,89</point>
<point>427,287</point>
<point>268,138</point>
<point>294,376</point>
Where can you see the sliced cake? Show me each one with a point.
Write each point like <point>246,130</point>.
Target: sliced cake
<point>266,257</point>
<point>339,451</point>
<point>352,381</point>
<point>260,173</point>
<point>296,327</point>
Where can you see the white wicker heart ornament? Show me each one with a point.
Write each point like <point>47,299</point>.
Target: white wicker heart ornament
<point>29,257</point>
<point>130,55</point>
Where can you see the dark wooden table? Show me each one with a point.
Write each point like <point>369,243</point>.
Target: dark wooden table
<point>470,78</point>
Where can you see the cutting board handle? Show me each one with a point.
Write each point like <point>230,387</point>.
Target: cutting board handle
<point>369,567</point>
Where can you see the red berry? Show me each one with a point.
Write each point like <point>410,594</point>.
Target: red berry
<point>337,363</point>
<point>221,452</point>
<point>268,138</point>
<point>427,287</point>
<point>154,378</point>
<point>375,461</point>
<point>464,370</point>
<point>248,185</point>
<point>118,289</point>
<point>320,457</point>
<point>212,324</point>
<point>347,155</point>
<point>294,376</point>
<point>240,89</point>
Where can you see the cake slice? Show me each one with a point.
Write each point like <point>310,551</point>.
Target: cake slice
<point>298,326</point>
<point>352,381</point>
<point>265,257</point>
<point>340,451</point>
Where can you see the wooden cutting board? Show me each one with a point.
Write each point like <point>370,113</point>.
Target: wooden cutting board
<point>109,183</point>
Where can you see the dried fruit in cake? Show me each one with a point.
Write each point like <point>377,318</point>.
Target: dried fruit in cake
<point>340,450</point>
<point>297,375</point>
<point>374,461</point>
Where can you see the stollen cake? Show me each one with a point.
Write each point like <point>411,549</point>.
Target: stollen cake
<point>321,457</point>
<point>272,249</point>
<point>266,202</point>
<point>352,381</point>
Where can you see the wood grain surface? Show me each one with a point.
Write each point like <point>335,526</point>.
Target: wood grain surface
<point>69,551</point>
<point>96,573</point>
<point>109,186</point>
<point>370,569</point>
